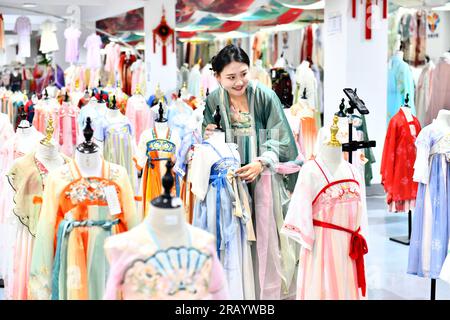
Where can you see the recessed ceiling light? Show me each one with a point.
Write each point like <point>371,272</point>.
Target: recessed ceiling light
<point>29,5</point>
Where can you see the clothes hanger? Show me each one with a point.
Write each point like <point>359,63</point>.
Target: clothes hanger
<point>113,105</point>
<point>164,201</point>
<point>88,146</point>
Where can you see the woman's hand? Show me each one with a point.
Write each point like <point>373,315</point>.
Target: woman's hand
<point>250,171</point>
<point>209,130</point>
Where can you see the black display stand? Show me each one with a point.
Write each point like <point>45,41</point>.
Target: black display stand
<point>404,239</point>
<point>355,103</point>
<point>433,289</point>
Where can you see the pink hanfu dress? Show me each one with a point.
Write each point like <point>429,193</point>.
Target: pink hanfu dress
<point>327,224</point>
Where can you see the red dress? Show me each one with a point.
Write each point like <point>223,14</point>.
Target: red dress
<point>397,164</point>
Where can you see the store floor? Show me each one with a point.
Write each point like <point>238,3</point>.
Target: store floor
<point>386,261</point>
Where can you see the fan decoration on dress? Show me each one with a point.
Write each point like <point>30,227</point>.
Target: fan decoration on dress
<point>163,31</point>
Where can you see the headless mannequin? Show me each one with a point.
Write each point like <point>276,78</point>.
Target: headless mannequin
<point>169,226</point>
<point>25,136</point>
<point>443,119</point>
<point>333,158</point>
<point>49,156</point>
<point>89,164</point>
<point>217,138</point>
<point>114,116</point>
<point>161,129</point>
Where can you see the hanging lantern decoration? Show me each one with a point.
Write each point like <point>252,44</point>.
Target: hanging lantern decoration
<point>368,14</point>
<point>163,31</point>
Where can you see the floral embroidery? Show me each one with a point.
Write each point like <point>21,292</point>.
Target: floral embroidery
<point>341,191</point>
<point>292,228</point>
<point>87,189</point>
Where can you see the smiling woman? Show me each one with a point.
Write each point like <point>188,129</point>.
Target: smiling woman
<point>253,119</point>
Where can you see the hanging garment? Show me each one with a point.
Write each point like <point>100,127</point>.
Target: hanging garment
<point>142,270</point>
<point>118,145</point>
<point>306,80</point>
<point>138,76</point>
<point>139,114</point>
<point>440,93</point>
<point>27,179</point>
<point>423,92</point>
<point>194,81</point>
<point>208,80</point>
<point>44,109</point>
<point>2,32</point>
<point>112,57</point>
<point>307,44</point>
<point>153,152</point>
<point>430,230</point>
<point>49,42</point>
<point>15,147</point>
<point>282,85</point>
<point>68,127</point>
<point>397,164</point>
<point>23,29</point>
<point>222,208</point>
<point>306,126</point>
<point>400,82</point>
<point>69,261</point>
<point>72,36</point>
<point>359,123</point>
<point>94,110</point>
<point>184,70</point>
<point>93,44</point>
<point>257,72</point>
<point>15,81</point>
<point>125,72</point>
<point>328,225</point>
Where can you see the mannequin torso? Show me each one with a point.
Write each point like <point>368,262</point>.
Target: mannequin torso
<point>90,164</point>
<point>332,157</point>
<point>114,116</point>
<point>443,119</point>
<point>49,156</point>
<point>25,135</point>
<point>169,226</point>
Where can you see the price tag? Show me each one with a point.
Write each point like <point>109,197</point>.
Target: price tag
<point>113,200</point>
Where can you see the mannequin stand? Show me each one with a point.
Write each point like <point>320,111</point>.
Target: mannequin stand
<point>404,239</point>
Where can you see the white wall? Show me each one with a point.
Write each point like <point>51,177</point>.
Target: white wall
<point>156,72</point>
<point>438,45</point>
<point>352,61</point>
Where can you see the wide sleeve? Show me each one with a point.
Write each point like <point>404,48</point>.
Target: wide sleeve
<point>40,279</point>
<point>140,158</point>
<point>131,216</point>
<point>388,157</point>
<point>279,143</point>
<point>200,168</point>
<point>114,254</point>
<point>421,165</point>
<point>298,223</point>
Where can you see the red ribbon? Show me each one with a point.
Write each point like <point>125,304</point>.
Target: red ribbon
<point>358,248</point>
<point>353,8</point>
<point>385,4</point>
<point>368,19</point>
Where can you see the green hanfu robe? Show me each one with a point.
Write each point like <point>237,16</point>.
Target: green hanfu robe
<point>263,133</point>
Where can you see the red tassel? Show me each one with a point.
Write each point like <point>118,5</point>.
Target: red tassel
<point>164,54</point>
<point>154,42</point>
<point>385,4</point>
<point>368,19</point>
<point>353,8</point>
